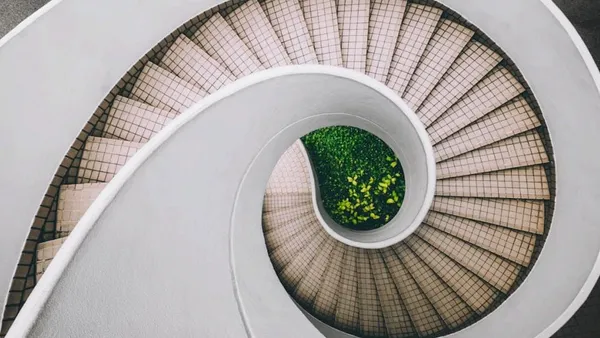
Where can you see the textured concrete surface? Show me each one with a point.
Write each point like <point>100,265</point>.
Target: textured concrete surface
<point>12,12</point>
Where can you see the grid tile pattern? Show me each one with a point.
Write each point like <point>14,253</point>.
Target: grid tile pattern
<point>299,266</point>
<point>346,315</point>
<point>131,120</point>
<point>417,28</point>
<point>279,233</point>
<point>325,304</point>
<point>281,201</point>
<point>448,305</point>
<point>322,24</point>
<point>369,313</point>
<point>221,42</point>
<point>444,47</point>
<point>384,27</point>
<point>497,271</point>
<point>493,91</point>
<point>520,215</point>
<point>472,289</point>
<point>513,245</point>
<point>353,18</point>
<point>284,254</point>
<point>424,317</point>
<point>252,25</point>
<point>520,151</point>
<point>45,253</point>
<point>73,202</point>
<point>509,120</point>
<point>313,280</point>
<point>163,89</point>
<point>522,183</point>
<point>288,22</point>
<point>397,320</point>
<point>291,173</point>
<point>469,68</point>
<point>103,158</point>
<point>191,63</point>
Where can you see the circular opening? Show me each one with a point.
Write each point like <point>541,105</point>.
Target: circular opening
<point>360,178</point>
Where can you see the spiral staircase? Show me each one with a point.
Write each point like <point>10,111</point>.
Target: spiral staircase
<point>495,189</point>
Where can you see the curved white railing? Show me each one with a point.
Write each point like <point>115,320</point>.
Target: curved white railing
<point>47,60</point>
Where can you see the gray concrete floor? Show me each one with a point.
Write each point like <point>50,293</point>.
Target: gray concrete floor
<point>12,12</point>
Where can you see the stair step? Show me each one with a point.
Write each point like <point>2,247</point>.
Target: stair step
<point>162,89</point>
<point>520,215</point>
<point>288,22</point>
<point>103,157</point>
<point>326,300</point>
<point>473,290</point>
<point>191,63</point>
<point>279,234</point>
<point>490,93</point>
<point>475,62</point>
<point>73,202</point>
<point>417,28</point>
<point>135,121</point>
<point>521,183</point>
<point>346,314</point>
<point>520,151</point>
<point>444,47</point>
<point>285,253</point>
<point>513,245</point>
<point>353,20</point>
<point>278,201</point>
<point>322,24</point>
<point>46,251</point>
<point>298,267</point>
<point>448,304</point>
<point>424,317</point>
<point>509,120</point>
<point>395,315</point>
<point>384,27</point>
<point>222,43</point>
<point>313,280</point>
<point>369,311</point>
<point>280,216</point>
<point>497,271</point>
<point>252,25</point>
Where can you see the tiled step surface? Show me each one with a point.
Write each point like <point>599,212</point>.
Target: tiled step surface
<point>222,43</point>
<point>346,314</point>
<point>284,254</point>
<point>162,89</point>
<point>453,310</point>
<point>288,22</point>
<point>509,120</point>
<point>353,18</point>
<point>252,25</point>
<point>397,320</point>
<point>300,264</point>
<point>471,66</point>
<point>493,91</point>
<point>442,50</point>
<point>520,151</point>
<point>279,201</point>
<point>45,253</point>
<point>322,24</point>
<point>314,279</point>
<point>515,214</point>
<point>370,312</point>
<point>73,202</point>
<point>497,271</point>
<point>291,173</point>
<point>102,158</point>
<point>472,289</point>
<point>423,315</point>
<point>417,28</point>
<point>521,183</point>
<point>513,245</point>
<point>294,225</point>
<point>191,63</point>
<point>135,121</point>
<point>384,26</point>
<point>326,300</point>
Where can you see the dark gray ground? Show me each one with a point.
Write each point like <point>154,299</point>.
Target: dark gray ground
<point>585,15</point>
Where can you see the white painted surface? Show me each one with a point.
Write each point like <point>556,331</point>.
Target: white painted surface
<point>44,65</point>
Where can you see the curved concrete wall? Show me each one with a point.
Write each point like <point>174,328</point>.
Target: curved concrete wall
<point>539,40</point>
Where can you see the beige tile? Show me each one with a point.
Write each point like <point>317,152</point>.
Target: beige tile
<point>285,253</point>
<point>73,202</point>
<point>346,314</point>
<point>102,158</point>
<point>46,251</point>
<point>322,24</point>
<point>326,300</point>
<point>369,312</point>
<point>299,266</point>
<point>353,18</point>
<point>314,279</point>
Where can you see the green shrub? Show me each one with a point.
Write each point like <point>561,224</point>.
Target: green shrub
<point>360,179</point>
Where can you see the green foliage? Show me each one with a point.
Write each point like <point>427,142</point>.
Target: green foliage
<point>361,180</point>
